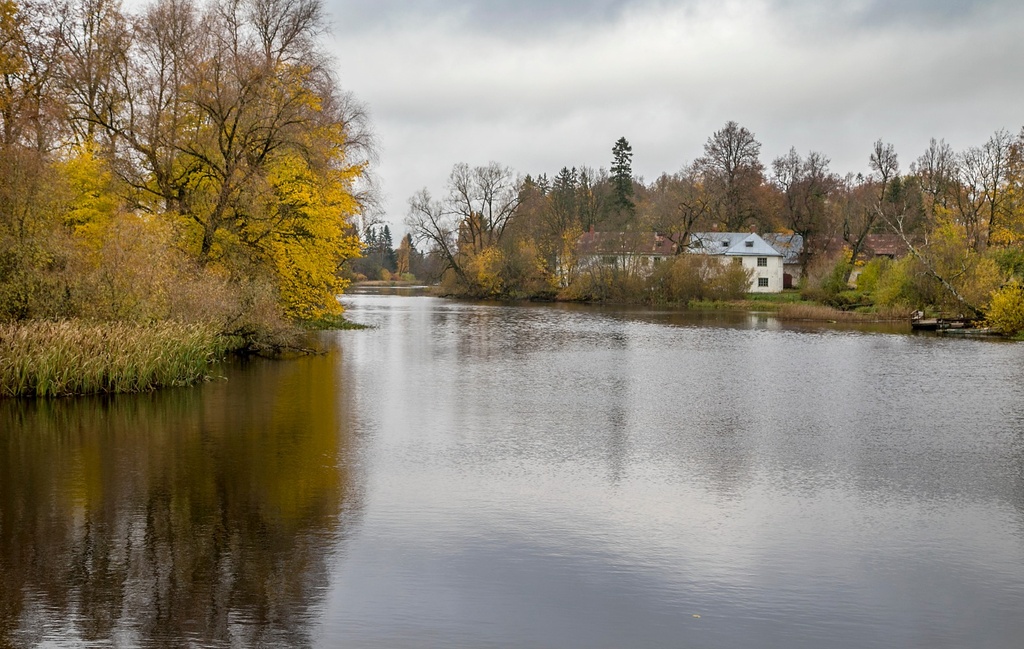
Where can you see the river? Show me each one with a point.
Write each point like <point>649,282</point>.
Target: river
<point>483,475</point>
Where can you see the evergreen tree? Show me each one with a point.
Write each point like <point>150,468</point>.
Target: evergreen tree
<point>563,208</point>
<point>543,184</point>
<point>622,179</point>
<point>387,249</point>
<point>370,241</point>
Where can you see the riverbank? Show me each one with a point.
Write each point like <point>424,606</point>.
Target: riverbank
<point>788,305</point>
<point>78,357</point>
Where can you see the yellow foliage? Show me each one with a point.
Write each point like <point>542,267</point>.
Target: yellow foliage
<point>93,201</point>
<point>11,59</point>
<point>309,235</point>
<point>983,279</point>
<point>402,257</point>
<point>1006,311</point>
<point>486,267</point>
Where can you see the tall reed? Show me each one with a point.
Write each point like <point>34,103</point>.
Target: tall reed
<point>824,313</point>
<point>69,357</point>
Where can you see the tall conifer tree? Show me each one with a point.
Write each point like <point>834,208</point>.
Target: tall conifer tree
<point>622,178</point>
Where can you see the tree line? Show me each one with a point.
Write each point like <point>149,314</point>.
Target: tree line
<point>194,160</point>
<point>960,215</point>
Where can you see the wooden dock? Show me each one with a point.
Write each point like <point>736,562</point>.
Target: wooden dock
<point>939,324</point>
<point>952,325</point>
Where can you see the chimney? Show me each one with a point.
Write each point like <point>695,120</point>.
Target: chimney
<point>591,228</point>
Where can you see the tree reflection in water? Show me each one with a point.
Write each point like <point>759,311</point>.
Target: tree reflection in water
<point>194,516</point>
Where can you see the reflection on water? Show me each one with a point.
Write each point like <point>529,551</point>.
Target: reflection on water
<point>203,516</point>
<point>480,475</point>
<point>557,476</point>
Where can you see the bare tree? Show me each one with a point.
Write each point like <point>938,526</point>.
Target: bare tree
<point>480,204</point>
<point>806,186</point>
<point>675,205</point>
<point>733,172</point>
<point>864,215</point>
<point>996,158</point>
<point>95,37</point>
<point>936,171</point>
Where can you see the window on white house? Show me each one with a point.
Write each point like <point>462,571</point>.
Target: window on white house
<point>750,244</point>
<point>762,262</point>
<point>738,261</point>
<point>762,282</point>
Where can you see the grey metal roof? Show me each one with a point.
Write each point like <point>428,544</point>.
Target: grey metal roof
<point>790,245</point>
<point>731,244</point>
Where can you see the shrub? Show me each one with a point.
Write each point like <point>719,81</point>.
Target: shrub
<point>868,279</point>
<point>1006,310</point>
<point>730,282</point>
<point>524,272</point>
<point>835,281</point>
<point>1010,261</point>
<point>899,284</point>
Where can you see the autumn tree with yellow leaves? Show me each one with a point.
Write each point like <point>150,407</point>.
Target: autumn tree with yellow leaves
<point>215,132</point>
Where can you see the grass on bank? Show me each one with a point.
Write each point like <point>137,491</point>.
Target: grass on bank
<point>74,357</point>
<point>823,313</point>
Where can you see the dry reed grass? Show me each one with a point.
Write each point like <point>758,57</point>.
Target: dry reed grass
<point>71,357</point>
<point>822,313</point>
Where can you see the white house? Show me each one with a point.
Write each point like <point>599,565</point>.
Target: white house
<point>745,248</point>
<point>791,246</point>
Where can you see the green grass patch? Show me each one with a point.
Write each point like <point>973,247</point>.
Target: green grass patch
<point>73,357</point>
<point>788,296</point>
<point>718,305</point>
<point>752,302</point>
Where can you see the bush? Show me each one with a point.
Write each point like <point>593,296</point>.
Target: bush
<point>524,273</point>
<point>1006,310</point>
<point>873,271</point>
<point>730,282</point>
<point>835,281</point>
<point>1010,261</point>
<point>899,284</point>
<point>680,280</point>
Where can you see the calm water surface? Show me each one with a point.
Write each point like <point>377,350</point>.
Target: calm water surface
<point>467,475</point>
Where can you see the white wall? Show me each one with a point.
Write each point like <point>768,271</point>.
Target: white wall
<point>773,271</point>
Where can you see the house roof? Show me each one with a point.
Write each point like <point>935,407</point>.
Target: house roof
<point>631,243</point>
<point>790,245</point>
<point>887,245</point>
<point>731,244</point>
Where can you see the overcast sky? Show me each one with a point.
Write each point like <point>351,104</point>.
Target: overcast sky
<point>541,84</point>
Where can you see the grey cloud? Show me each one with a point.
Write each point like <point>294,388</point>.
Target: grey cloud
<point>524,17</point>
<point>454,81</point>
<point>852,18</point>
<point>506,17</point>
